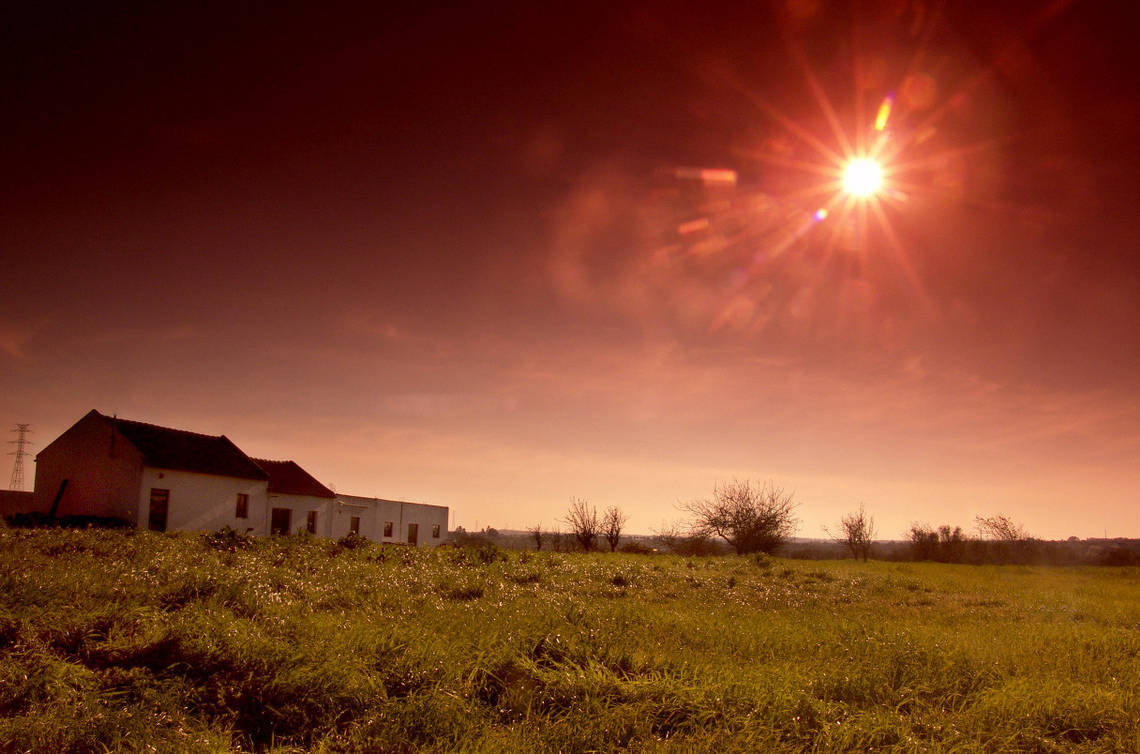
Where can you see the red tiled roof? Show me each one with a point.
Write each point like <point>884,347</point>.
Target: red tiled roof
<point>287,478</point>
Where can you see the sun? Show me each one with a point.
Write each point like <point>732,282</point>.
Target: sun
<point>862,177</point>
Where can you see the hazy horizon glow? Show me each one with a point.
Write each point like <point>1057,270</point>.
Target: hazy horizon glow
<point>393,249</point>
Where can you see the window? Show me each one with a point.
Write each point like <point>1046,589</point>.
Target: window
<point>354,524</point>
<point>242,506</point>
<point>311,525</point>
<point>159,503</point>
<point>435,531</point>
<point>387,528</point>
<point>280,521</point>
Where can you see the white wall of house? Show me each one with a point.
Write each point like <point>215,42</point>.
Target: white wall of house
<point>430,522</point>
<point>389,513</point>
<point>299,507</point>
<point>344,510</point>
<point>204,502</point>
<point>405,522</point>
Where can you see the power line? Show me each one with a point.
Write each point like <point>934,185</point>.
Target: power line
<point>17,482</point>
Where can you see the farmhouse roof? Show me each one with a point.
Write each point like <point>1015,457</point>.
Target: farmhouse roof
<point>287,478</point>
<point>179,450</point>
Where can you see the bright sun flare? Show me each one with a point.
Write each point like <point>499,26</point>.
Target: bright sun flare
<point>862,177</point>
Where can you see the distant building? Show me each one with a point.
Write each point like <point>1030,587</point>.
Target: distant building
<point>173,480</point>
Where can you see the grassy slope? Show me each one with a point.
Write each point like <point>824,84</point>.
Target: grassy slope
<point>126,640</point>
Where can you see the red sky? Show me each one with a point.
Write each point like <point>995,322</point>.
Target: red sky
<point>466,256</point>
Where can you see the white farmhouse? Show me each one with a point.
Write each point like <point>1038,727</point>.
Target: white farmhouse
<point>169,479</point>
<point>150,476</point>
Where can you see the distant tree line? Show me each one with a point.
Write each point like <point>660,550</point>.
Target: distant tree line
<point>1000,540</point>
<point>746,517</point>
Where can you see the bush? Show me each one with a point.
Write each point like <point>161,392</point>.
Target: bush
<point>483,554</point>
<point>228,540</point>
<point>352,541</point>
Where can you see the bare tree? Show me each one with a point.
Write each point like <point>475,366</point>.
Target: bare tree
<point>613,521</point>
<point>582,519</point>
<point>1001,528</point>
<point>749,517</point>
<point>537,532</point>
<point>856,532</point>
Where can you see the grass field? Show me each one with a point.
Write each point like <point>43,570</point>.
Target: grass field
<point>131,641</point>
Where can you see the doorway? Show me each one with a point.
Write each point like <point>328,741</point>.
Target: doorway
<point>280,521</point>
<point>159,504</point>
<point>413,533</point>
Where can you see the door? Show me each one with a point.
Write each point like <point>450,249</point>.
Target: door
<point>413,533</point>
<point>280,521</point>
<point>159,504</point>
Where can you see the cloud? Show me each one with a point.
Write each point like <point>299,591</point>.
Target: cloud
<point>14,339</point>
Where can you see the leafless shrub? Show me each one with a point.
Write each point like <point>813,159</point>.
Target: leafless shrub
<point>856,532</point>
<point>668,536</point>
<point>1008,540</point>
<point>1000,528</point>
<point>537,532</point>
<point>613,521</point>
<point>673,538</point>
<point>582,519</point>
<point>749,517</point>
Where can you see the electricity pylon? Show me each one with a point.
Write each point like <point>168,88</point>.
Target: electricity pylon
<point>21,440</point>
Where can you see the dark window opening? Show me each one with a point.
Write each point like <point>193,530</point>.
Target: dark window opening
<point>354,524</point>
<point>242,506</point>
<point>311,524</point>
<point>387,528</point>
<point>435,531</point>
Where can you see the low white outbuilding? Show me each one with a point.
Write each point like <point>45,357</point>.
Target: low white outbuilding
<point>392,521</point>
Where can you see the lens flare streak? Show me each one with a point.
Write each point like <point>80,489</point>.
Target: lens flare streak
<point>884,112</point>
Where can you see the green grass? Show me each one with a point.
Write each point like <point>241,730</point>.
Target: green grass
<point>131,641</point>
